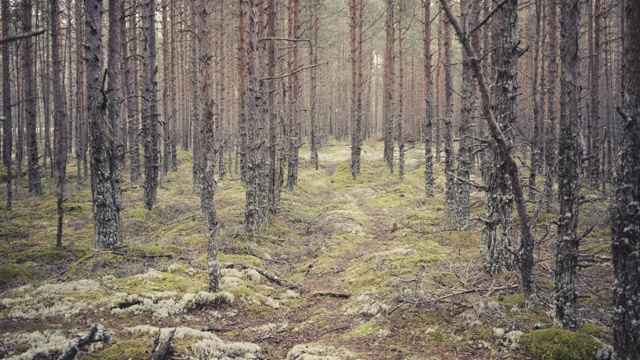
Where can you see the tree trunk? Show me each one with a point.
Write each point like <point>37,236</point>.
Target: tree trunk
<point>388,86</point>
<point>208,156</point>
<point>131,90</point>
<point>81,129</point>
<point>550,130</point>
<point>355,11</point>
<point>6,102</point>
<point>294,95</point>
<point>106,210</point>
<point>594,169</point>
<point>167,120</point>
<point>498,232</point>
<point>625,218</point>
<point>242,87</point>
<point>569,160</point>
<point>59,117</point>
<point>150,113</point>
<point>401,99</point>
<point>449,201</point>
<point>220,129</point>
<point>313,97</point>
<point>30,101</point>
<point>428,119</point>
<point>538,101</point>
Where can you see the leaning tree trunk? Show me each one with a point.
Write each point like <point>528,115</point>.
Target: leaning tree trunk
<point>150,98</point>
<point>208,156</point>
<point>625,217</point>
<point>503,146</point>
<point>30,101</point>
<point>6,102</point>
<point>106,210</point>
<point>498,232</point>
<point>569,159</point>
<point>59,117</point>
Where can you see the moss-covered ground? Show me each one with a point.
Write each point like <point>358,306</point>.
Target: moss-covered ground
<point>384,274</point>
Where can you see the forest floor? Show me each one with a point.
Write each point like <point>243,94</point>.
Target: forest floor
<point>372,270</point>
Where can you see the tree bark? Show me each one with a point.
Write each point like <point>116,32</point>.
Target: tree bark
<point>388,85</point>
<point>7,124</point>
<point>150,113</point>
<point>313,97</point>
<point>35,183</point>
<point>106,210</point>
<point>625,219</point>
<point>428,119</point>
<point>294,95</point>
<point>550,150</point>
<point>355,11</point>
<point>59,117</point>
<point>450,183</point>
<point>569,160</point>
<point>81,128</point>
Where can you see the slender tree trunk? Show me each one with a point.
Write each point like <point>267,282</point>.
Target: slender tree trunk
<point>242,90</point>
<point>428,119</point>
<point>80,119</point>
<point>595,98</point>
<point>59,117</point>
<point>569,160</point>
<point>166,89</point>
<point>550,130</point>
<point>114,97</point>
<point>150,113</point>
<point>355,12</point>
<point>220,129</point>
<point>388,85</point>
<point>35,183</point>
<point>449,201</point>
<point>401,99</point>
<point>538,93</point>
<point>313,97</point>
<point>46,94</point>
<point>208,156</point>
<point>274,181</point>
<point>129,49</point>
<point>469,11</point>
<point>7,125</point>
<point>294,96</point>
<point>625,218</point>
<point>174,90</point>
<point>106,210</point>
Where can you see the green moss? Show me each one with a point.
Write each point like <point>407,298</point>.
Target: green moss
<point>154,249</point>
<point>135,348</point>
<point>513,299</point>
<point>40,254</point>
<point>605,334</point>
<point>13,272</point>
<point>21,348</point>
<point>559,344</point>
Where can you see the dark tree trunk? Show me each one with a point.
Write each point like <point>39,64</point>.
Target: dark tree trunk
<point>106,210</point>
<point>401,119</point>
<point>6,103</point>
<point>274,183</point>
<point>625,218</point>
<point>114,97</point>
<point>355,11</point>
<point>294,96</point>
<point>449,201</point>
<point>538,102</point>
<point>150,98</point>
<point>594,138</point>
<point>81,128</point>
<point>569,160</point>
<point>242,87</point>
<point>469,11</point>
<point>498,232</point>
<point>30,101</point>
<point>131,90</point>
<point>388,85</point>
<point>550,150</point>
<point>428,119</point>
<point>167,119</point>
<point>313,97</point>
<point>220,128</point>
<point>59,117</point>
<point>208,157</point>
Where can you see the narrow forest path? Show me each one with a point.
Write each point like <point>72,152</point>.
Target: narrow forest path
<point>383,274</point>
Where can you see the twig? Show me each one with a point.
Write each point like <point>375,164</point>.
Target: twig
<point>97,333</point>
<point>17,37</point>
<point>468,182</point>
<point>272,277</point>
<point>339,295</point>
<point>346,327</point>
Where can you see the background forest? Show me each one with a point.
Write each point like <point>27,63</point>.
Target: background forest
<point>307,179</point>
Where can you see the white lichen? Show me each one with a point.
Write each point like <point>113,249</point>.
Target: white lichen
<point>319,352</point>
<point>253,275</point>
<point>41,344</point>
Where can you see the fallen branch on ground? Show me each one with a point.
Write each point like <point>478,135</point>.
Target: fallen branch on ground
<point>422,301</point>
<point>272,277</point>
<point>161,351</point>
<point>97,333</point>
<point>339,295</point>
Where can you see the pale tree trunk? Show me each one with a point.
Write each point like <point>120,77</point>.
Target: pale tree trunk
<point>469,11</point>
<point>196,95</point>
<point>569,160</point>
<point>30,101</point>
<point>313,97</point>
<point>59,117</point>
<point>242,87</point>
<point>355,11</point>
<point>625,218</point>
<point>6,102</point>
<point>174,90</point>
<point>150,108</point>
<point>401,99</point>
<point>388,85</point>
<point>167,119</point>
<point>106,210</point>
<point>503,145</point>
<point>428,119</point>
<point>449,201</point>
<point>222,60</point>
<point>538,102</point>
<point>208,157</point>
